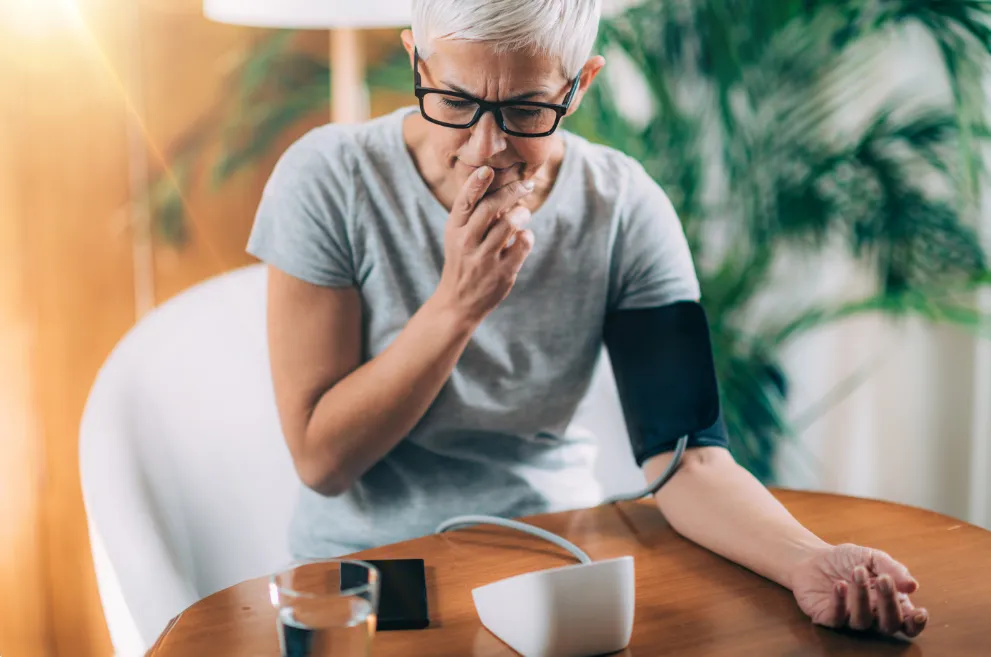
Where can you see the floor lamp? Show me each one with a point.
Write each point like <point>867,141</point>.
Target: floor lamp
<point>344,18</point>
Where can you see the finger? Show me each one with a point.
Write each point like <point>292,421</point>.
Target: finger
<point>841,613</point>
<point>918,620</point>
<point>861,615</point>
<point>490,207</point>
<point>882,564</point>
<point>504,229</point>
<point>471,193</point>
<point>914,619</point>
<point>889,611</point>
<point>514,255</point>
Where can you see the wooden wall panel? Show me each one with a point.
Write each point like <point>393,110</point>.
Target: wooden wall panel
<point>185,56</point>
<point>67,160</point>
<point>75,176</point>
<point>24,622</point>
<point>74,93</point>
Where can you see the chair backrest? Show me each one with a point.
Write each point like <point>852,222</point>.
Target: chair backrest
<point>186,479</point>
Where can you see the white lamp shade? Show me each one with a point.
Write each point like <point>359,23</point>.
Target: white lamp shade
<point>310,14</point>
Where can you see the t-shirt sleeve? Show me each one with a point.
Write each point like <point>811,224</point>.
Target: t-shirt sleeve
<point>651,263</point>
<point>302,223</point>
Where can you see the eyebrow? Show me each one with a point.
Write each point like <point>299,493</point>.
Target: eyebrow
<point>524,96</point>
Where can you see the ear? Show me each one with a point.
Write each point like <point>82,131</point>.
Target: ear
<point>588,73</point>
<point>408,43</point>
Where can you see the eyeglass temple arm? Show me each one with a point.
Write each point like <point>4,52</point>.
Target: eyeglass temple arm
<point>417,79</point>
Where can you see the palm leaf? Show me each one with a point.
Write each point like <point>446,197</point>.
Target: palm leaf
<point>941,305</point>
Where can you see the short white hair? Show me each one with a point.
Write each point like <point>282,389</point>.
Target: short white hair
<point>563,28</point>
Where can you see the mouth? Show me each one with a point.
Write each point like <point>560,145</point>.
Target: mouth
<point>496,169</point>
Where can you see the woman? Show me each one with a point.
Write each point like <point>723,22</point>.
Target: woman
<point>438,283</point>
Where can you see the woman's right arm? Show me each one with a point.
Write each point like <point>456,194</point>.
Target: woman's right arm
<point>340,416</point>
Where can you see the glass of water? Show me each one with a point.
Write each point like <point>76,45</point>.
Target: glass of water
<point>326,608</point>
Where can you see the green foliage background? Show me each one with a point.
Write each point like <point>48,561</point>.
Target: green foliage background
<point>746,134</point>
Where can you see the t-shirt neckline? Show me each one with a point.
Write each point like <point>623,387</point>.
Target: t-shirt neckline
<point>436,207</point>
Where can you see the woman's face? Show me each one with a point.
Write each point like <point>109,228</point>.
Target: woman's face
<point>477,69</point>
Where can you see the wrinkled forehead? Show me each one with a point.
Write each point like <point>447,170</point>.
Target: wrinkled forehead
<point>481,68</point>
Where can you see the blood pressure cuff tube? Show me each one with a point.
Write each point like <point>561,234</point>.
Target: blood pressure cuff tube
<point>666,378</point>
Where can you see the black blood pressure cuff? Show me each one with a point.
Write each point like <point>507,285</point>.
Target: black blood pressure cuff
<point>666,378</point>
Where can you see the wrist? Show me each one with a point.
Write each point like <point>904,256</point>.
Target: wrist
<point>449,317</point>
<point>799,554</point>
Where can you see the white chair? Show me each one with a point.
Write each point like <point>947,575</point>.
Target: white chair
<point>186,479</point>
<point>187,482</point>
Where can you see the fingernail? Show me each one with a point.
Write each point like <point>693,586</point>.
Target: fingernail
<point>483,173</point>
<point>884,582</point>
<point>859,576</point>
<point>920,617</point>
<point>529,185</point>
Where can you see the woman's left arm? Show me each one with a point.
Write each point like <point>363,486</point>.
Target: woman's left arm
<point>716,503</point>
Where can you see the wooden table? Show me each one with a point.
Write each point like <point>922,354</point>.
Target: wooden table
<point>689,601</point>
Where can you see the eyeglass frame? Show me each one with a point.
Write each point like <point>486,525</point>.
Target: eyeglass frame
<point>560,109</point>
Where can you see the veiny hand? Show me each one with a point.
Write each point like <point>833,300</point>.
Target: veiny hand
<point>860,588</point>
<point>484,245</point>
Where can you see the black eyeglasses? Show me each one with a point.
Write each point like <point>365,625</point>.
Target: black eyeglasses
<point>520,118</point>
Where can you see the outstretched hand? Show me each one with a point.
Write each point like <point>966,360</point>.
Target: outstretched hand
<point>859,588</point>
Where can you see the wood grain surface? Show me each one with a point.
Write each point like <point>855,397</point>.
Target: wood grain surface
<point>689,601</point>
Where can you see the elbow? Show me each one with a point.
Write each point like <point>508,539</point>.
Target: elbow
<point>329,479</point>
<point>703,460</point>
<point>320,466</point>
<point>700,468</point>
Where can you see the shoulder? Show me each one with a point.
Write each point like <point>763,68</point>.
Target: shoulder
<point>328,149</point>
<point>602,159</point>
<point>611,173</point>
<point>320,167</point>
<point>336,156</point>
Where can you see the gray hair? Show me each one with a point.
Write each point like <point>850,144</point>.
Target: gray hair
<point>562,28</point>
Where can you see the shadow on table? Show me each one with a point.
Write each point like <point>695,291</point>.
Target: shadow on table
<point>433,601</point>
<point>821,641</point>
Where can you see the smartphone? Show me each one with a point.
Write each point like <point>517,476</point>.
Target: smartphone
<point>402,592</point>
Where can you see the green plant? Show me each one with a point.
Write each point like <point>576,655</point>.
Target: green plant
<point>748,137</point>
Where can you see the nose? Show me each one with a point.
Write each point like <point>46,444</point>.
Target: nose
<point>487,138</point>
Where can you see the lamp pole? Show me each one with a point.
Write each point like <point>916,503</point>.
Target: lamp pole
<point>347,80</point>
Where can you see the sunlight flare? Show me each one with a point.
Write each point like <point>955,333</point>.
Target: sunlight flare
<point>39,18</point>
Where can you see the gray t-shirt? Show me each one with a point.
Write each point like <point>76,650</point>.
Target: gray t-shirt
<point>346,206</point>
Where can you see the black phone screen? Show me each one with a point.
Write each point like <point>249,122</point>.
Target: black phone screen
<point>402,592</point>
